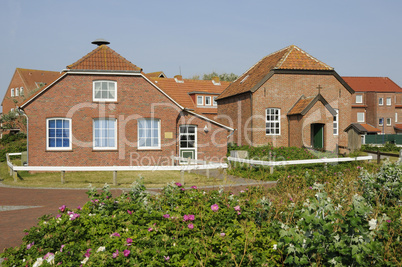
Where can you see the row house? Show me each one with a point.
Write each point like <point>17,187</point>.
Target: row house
<point>377,102</point>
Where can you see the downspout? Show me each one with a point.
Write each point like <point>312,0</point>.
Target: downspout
<point>21,111</point>
<point>251,114</point>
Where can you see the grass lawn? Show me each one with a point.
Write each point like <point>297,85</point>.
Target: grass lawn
<point>152,179</point>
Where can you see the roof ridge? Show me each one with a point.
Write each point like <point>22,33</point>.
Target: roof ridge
<point>293,47</point>
<point>285,56</point>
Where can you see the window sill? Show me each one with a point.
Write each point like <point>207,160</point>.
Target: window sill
<point>105,150</point>
<point>59,150</point>
<point>149,149</point>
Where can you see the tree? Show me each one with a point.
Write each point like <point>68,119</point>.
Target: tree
<point>227,77</point>
<point>12,120</point>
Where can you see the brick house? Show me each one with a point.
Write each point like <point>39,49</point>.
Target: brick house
<point>24,83</point>
<point>288,98</point>
<point>378,102</point>
<point>104,111</point>
<point>196,95</point>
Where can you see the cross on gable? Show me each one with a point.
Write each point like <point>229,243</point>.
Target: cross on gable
<point>319,89</point>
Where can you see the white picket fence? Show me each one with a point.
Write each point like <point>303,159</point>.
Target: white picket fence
<point>273,164</point>
<point>188,165</point>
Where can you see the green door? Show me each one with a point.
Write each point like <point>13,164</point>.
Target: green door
<point>318,135</point>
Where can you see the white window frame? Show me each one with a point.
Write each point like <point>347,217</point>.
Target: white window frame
<point>16,91</point>
<point>359,99</point>
<point>200,103</point>
<point>145,147</point>
<point>12,92</point>
<point>362,114</point>
<point>214,101</point>
<point>381,101</point>
<point>396,116</point>
<point>388,100</point>
<point>69,134</point>
<point>100,99</point>
<point>21,91</point>
<point>389,121</point>
<point>335,124</point>
<point>272,128</point>
<point>381,121</point>
<point>208,101</point>
<point>94,138</point>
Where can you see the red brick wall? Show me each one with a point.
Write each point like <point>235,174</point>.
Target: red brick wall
<point>283,91</point>
<point>235,112</point>
<point>10,102</point>
<point>72,97</point>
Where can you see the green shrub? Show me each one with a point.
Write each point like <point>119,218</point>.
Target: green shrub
<point>384,186</point>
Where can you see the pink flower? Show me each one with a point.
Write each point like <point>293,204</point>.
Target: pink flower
<point>126,253</point>
<point>182,189</point>
<point>62,208</point>
<point>129,241</point>
<point>237,208</point>
<point>238,213</point>
<point>47,255</point>
<point>178,184</point>
<point>167,216</point>
<point>58,216</point>
<point>222,234</point>
<point>166,258</point>
<point>150,229</point>
<point>190,226</point>
<point>191,217</point>
<point>115,254</point>
<point>88,253</point>
<point>115,234</point>
<point>129,212</point>
<point>30,245</point>
<point>185,218</point>
<point>61,248</point>
<point>79,208</point>
<point>194,187</point>
<point>215,207</point>
<point>388,221</point>
<point>74,216</point>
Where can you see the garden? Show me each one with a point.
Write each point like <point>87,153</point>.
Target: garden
<point>346,214</point>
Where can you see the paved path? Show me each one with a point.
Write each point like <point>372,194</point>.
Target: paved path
<point>17,213</point>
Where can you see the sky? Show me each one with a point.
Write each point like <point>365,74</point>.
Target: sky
<point>355,37</point>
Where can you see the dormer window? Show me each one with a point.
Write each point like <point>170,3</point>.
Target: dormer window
<point>200,100</point>
<point>207,100</point>
<point>215,103</point>
<point>104,91</point>
<point>359,99</point>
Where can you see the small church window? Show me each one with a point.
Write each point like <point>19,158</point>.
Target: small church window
<point>336,122</point>
<point>273,121</point>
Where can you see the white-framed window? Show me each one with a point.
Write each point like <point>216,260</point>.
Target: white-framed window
<point>396,116</point>
<point>104,91</point>
<point>21,90</point>
<point>12,92</point>
<point>336,123</point>
<point>12,109</point>
<point>360,116</point>
<point>149,134</point>
<point>381,121</point>
<point>359,99</point>
<point>272,121</point>
<point>380,101</point>
<point>214,101</point>
<point>388,101</point>
<point>104,133</point>
<point>200,100</point>
<point>16,91</point>
<point>389,122</point>
<point>208,101</point>
<point>58,134</point>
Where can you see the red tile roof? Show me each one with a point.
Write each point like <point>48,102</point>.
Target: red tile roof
<point>300,105</point>
<point>104,58</point>
<point>179,92</point>
<point>36,78</point>
<point>398,126</point>
<point>370,128</point>
<point>289,58</point>
<point>372,84</point>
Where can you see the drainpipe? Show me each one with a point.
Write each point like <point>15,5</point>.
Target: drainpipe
<point>21,111</point>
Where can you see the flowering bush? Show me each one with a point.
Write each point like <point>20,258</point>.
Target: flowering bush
<point>175,228</point>
<point>384,186</point>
